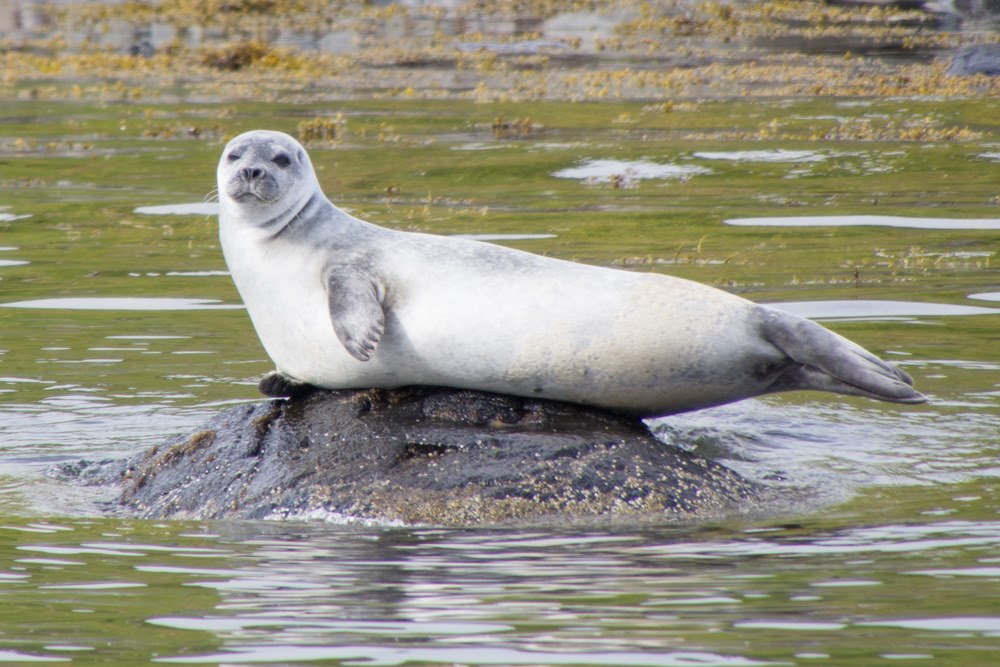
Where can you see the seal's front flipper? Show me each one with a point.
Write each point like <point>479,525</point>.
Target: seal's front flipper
<point>355,300</point>
<point>278,385</point>
<point>820,359</point>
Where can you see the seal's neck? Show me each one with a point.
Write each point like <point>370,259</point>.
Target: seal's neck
<point>278,219</point>
<point>303,212</point>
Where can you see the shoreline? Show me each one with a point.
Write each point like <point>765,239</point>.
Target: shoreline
<point>647,53</point>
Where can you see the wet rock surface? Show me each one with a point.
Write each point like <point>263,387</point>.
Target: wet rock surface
<point>424,456</point>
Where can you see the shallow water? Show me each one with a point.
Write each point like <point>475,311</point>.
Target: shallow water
<point>869,221</point>
<point>862,309</point>
<point>602,171</point>
<point>121,328</point>
<point>285,594</point>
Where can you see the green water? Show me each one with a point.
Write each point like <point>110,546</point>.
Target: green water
<point>898,561</point>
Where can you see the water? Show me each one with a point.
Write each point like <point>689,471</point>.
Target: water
<point>282,594</point>
<point>602,171</point>
<point>119,327</point>
<point>870,221</point>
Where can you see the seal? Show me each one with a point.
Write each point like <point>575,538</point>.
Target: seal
<point>340,303</point>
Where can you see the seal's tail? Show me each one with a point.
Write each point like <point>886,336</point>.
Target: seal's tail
<point>820,359</point>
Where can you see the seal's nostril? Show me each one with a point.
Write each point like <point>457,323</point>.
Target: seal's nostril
<point>252,173</point>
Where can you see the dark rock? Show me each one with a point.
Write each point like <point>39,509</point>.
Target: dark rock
<point>427,456</point>
<point>976,59</point>
<point>142,49</point>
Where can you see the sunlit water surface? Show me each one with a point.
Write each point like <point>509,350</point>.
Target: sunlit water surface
<point>898,561</point>
<point>121,328</point>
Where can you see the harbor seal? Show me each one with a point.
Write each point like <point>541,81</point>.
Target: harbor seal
<point>341,303</point>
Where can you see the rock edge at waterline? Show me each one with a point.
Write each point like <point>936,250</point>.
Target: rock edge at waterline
<point>424,455</point>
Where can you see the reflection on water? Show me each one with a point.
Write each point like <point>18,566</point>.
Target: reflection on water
<point>775,155</point>
<point>834,450</point>
<point>602,171</point>
<point>470,655</point>
<point>867,220</point>
<point>868,309</point>
<point>278,594</point>
<point>505,237</point>
<point>198,208</point>
<point>9,262</point>
<point>122,303</point>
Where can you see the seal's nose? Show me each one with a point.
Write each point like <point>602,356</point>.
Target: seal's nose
<point>252,173</point>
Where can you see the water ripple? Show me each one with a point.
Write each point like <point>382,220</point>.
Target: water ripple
<point>472,655</point>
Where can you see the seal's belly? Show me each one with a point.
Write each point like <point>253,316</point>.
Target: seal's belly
<point>621,340</point>
<point>593,336</point>
<point>567,332</point>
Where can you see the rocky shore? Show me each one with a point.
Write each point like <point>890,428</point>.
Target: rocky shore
<point>487,52</point>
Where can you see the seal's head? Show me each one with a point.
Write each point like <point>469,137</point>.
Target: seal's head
<point>263,176</point>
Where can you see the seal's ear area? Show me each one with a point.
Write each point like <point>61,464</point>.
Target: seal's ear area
<point>354,298</point>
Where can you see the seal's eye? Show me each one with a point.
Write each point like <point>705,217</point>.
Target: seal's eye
<point>281,160</point>
<point>233,157</point>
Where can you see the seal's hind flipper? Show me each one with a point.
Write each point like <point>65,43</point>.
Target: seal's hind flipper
<point>278,385</point>
<point>820,359</point>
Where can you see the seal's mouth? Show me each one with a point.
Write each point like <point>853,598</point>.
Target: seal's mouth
<point>251,193</point>
<point>247,196</point>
